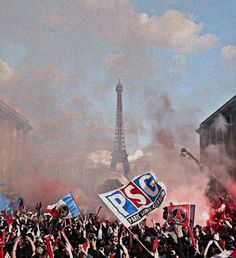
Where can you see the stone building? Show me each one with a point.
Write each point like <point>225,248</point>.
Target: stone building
<point>14,130</point>
<point>220,129</point>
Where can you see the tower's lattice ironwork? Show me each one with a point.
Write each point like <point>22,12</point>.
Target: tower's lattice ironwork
<point>119,154</point>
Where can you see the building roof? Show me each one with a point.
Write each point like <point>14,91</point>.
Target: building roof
<point>14,117</point>
<point>227,105</point>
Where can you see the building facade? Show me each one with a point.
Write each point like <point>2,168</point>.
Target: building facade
<point>14,129</point>
<point>220,129</point>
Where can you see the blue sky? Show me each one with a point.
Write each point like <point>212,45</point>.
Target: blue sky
<point>206,69</point>
<point>63,59</point>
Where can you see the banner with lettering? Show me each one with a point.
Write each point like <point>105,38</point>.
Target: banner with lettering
<point>132,202</point>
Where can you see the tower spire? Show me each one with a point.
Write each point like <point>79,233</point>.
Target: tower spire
<point>119,154</point>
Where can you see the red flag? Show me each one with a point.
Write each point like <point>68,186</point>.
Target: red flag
<point>192,237</point>
<point>182,214</point>
<point>55,213</point>
<point>2,243</point>
<point>85,246</point>
<point>155,244</point>
<point>55,243</point>
<point>7,218</point>
<point>233,254</point>
<point>49,246</point>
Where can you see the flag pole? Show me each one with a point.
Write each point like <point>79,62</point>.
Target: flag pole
<point>135,237</point>
<point>98,211</point>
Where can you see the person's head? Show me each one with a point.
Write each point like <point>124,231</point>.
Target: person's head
<point>115,239</point>
<point>139,248</point>
<point>147,239</point>
<point>231,242</point>
<point>196,232</point>
<point>185,229</point>
<point>216,237</point>
<point>81,240</point>
<point>39,250</point>
<point>157,226</point>
<point>24,250</point>
<point>208,231</point>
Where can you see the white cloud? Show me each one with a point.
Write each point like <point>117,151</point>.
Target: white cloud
<point>101,157</point>
<point>175,31</point>
<point>54,74</point>
<point>123,64</point>
<point>119,24</point>
<point>229,53</point>
<point>7,74</point>
<point>137,155</point>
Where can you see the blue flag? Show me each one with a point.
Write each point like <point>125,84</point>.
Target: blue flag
<point>65,208</point>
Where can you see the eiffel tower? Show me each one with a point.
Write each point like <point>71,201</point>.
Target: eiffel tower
<point>119,154</point>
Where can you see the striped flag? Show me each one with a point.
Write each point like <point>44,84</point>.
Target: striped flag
<point>65,208</point>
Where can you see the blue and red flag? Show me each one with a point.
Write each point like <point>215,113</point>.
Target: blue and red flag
<point>65,208</point>
<point>4,202</point>
<point>20,207</point>
<point>182,214</point>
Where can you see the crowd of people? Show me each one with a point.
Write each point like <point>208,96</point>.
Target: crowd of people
<point>36,234</point>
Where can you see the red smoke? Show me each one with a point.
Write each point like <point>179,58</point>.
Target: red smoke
<point>52,190</point>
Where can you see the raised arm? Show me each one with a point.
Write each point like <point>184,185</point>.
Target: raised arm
<point>13,254</point>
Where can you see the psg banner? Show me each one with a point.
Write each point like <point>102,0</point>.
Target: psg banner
<point>182,214</point>
<point>132,202</point>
